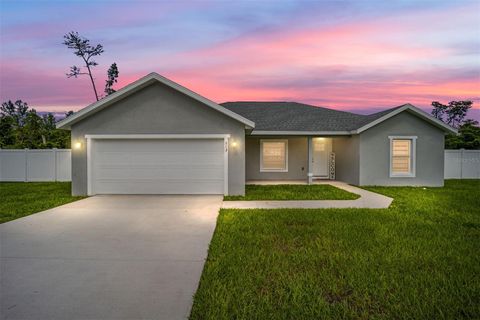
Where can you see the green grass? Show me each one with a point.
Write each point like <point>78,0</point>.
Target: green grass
<point>19,199</point>
<point>293,192</point>
<point>419,259</point>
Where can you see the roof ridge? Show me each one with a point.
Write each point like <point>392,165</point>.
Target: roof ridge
<point>390,109</point>
<point>293,102</point>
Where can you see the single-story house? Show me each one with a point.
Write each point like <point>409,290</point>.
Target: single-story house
<point>156,137</point>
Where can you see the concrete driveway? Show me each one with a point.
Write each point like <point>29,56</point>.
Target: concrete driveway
<point>107,257</point>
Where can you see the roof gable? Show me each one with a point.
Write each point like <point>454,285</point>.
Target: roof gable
<point>387,114</point>
<point>138,85</point>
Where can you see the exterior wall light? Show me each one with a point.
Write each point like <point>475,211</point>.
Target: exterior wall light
<point>77,146</point>
<point>234,144</point>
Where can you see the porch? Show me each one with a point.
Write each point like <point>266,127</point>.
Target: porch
<point>302,159</point>
<point>300,182</point>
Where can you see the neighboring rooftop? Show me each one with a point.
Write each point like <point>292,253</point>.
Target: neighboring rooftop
<point>293,116</point>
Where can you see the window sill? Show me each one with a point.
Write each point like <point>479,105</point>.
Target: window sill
<point>402,176</point>
<point>272,170</point>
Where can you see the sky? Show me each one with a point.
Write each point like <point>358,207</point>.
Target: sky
<point>359,56</point>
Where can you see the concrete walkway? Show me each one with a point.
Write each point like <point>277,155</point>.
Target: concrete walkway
<point>367,199</point>
<point>107,257</point>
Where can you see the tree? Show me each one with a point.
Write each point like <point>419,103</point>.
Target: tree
<point>468,137</point>
<point>470,133</point>
<point>55,138</point>
<point>439,110</point>
<point>49,130</point>
<point>31,134</point>
<point>18,111</point>
<point>21,127</point>
<point>453,114</point>
<point>82,48</point>
<point>112,76</point>
<point>7,131</point>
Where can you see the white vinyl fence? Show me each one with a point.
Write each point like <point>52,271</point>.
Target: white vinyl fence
<point>462,164</point>
<point>35,165</point>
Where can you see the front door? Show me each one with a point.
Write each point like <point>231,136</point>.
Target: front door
<point>322,147</point>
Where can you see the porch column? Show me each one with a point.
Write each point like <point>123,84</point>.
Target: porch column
<point>310,160</point>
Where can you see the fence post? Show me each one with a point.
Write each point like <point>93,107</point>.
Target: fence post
<point>26,164</point>
<point>461,163</point>
<point>54,150</point>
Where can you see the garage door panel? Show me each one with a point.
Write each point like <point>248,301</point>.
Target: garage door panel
<point>153,159</point>
<point>168,145</point>
<point>152,187</point>
<point>180,158</point>
<point>174,166</point>
<point>156,173</point>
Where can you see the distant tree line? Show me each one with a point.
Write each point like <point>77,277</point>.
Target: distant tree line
<point>22,127</point>
<point>454,114</point>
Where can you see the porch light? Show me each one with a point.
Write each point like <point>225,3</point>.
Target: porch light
<point>234,144</point>
<point>77,146</point>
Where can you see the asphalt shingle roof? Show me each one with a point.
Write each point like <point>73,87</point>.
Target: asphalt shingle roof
<point>293,116</point>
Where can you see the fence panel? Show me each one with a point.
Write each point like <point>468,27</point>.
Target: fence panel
<point>35,165</point>
<point>471,164</point>
<point>462,164</point>
<point>40,165</point>
<point>13,165</point>
<point>64,164</point>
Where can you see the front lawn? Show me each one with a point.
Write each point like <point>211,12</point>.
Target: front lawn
<point>419,259</point>
<point>293,192</point>
<point>19,199</point>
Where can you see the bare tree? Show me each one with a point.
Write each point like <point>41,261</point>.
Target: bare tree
<point>83,49</point>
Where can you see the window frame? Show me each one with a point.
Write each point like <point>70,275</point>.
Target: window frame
<point>262,169</point>
<point>413,156</point>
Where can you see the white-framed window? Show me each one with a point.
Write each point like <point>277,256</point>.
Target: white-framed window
<point>402,156</point>
<point>273,155</point>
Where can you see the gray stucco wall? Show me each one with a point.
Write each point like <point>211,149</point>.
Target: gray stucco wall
<point>347,157</point>
<point>297,159</point>
<point>375,152</point>
<point>158,109</point>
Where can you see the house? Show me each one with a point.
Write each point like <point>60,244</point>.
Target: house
<point>157,137</point>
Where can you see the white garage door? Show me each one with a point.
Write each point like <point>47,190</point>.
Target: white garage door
<point>150,166</point>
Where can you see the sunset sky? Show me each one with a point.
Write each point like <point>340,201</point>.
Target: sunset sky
<point>352,55</point>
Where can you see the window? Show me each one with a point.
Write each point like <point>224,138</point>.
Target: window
<point>274,155</point>
<point>402,156</point>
